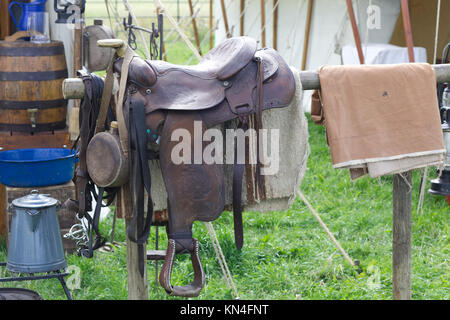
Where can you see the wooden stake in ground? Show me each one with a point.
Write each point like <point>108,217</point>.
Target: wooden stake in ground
<point>401,204</point>
<point>137,284</point>
<point>401,236</point>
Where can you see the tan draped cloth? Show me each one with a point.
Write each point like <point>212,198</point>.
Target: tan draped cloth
<point>381,119</point>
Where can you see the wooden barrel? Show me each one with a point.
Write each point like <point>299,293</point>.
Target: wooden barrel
<point>31,77</point>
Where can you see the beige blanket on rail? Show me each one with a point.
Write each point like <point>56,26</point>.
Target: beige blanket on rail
<point>381,119</point>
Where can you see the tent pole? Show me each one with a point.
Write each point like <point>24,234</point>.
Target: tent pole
<point>351,14</point>
<point>275,24</point>
<point>242,18</point>
<point>211,14</point>
<point>263,23</point>
<point>408,31</point>
<point>225,18</point>
<point>307,32</point>
<point>194,25</point>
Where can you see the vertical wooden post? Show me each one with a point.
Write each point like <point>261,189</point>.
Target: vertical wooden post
<point>194,25</point>
<point>77,55</point>
<point>307,32</point>
<point>276,3</point>
<point>137,285</point>
<point>77,47</point>
<point>263,23</point>
<point>225,18</point>
<point>401,203</point>
<point>351,14</point>
<point>401,236</point>
<point>242,18</point>
<point>211,26</point>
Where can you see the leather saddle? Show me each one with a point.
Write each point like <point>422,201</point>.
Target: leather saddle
<point>232,81</point>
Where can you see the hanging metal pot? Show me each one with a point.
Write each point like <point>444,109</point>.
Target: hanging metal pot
<point>35,242</point>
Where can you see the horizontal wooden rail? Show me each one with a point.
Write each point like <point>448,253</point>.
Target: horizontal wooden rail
<point>310,79</point>
<point>73,87</point>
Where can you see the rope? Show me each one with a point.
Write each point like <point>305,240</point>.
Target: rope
<point>174,41</point>
<point>116,16</point>
<point>438,16</point>
<point>271,17</point>
<point>182,20</point>
<point>288,46</point>
<point>406,181</point>
<point>422,190</point>
<point>188,42</point>
<point>253,23</point>
<point>366,40</point>
<point>222,262</point>
<point>324,226</point>
<point>204,40</point>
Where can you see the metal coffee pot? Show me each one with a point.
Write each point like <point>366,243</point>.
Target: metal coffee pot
<point>35,242</point>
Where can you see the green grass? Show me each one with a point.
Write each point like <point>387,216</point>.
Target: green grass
<point>287,255</point>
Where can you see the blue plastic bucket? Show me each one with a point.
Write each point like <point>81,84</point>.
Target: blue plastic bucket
<point>40,167</point>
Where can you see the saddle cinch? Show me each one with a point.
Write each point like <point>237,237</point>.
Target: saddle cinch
<point>161,100</point>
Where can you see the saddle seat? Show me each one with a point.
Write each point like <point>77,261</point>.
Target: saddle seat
<point>167,86</point>
<point>220,63</point>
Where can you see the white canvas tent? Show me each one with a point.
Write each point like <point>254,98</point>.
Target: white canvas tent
<point>379,23</point>
<point>330,26</point>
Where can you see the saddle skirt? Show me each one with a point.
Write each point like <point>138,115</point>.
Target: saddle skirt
<point>280,188</point>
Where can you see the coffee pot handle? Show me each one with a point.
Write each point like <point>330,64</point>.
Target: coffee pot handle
<point>20,4</point>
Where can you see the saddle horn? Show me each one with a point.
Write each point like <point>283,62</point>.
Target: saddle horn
<point>119,45</point>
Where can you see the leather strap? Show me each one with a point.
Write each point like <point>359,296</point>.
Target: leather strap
<point>123,132</point>
<point>106,96</point>
<point>139,227</point>
<point>89,112</point>
<point>259,125</point>
<point>238,174</point>
<point>93,227</point>
<point>238,171</point>
<point>82,175</point>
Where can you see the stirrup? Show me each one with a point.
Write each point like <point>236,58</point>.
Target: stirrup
<point>191,290</point>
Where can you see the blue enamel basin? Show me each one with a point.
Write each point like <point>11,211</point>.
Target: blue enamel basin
<point>40,167</point>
